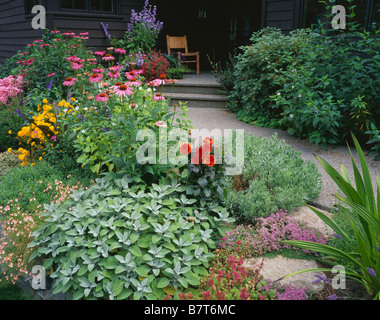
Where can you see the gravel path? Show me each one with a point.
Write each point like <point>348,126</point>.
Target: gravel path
<point>203,118</point>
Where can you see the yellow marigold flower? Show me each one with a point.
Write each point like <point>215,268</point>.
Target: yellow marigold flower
<point>40,158</point>
<point>45,101</point>
<point>32,164</point>
<point>10,132</point>
<point>10,150</point>
<point>73,99</point>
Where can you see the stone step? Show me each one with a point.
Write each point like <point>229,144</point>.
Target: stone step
<point>194,88</point>
<point>195,100</point>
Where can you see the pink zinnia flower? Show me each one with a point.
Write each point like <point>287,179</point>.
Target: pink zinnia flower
<point>102,97</point>
<point>108,57</point>
<point>161,124</point>
<point>123,90</point>
<point>69,81</point>
<point>96,77</point>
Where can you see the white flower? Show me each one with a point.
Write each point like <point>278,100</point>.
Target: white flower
<point>300,96</point>
<point>83,131</point>
<point>279,93</point>
<point>292,87</point>
<point>291,116</point>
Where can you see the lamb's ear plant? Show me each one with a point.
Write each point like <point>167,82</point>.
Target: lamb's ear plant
<point>363,214</point>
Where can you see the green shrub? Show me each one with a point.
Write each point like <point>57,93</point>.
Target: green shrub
<point>334,91</point>
<point>258,68</point>
<point>274,177</point>
<point>117,240</point>
<point>318,85</point>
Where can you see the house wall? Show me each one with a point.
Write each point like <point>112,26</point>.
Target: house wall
<point>282,14</point>
<point>81,21</point>
<point>15,28</point>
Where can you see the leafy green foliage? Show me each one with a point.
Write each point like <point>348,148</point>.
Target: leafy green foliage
<point>362,254</point>
<point>318,85</point>
<point>119,240</point>
<point>274,177</point>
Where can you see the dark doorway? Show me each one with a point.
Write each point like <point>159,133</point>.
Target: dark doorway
<point>213,27</point>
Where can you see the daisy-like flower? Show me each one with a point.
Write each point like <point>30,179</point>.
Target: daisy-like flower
<point>113,74</point>
<point>69,33</point>
<point>72,58</point>
<point>122,90</point>
<point>96,77</point>
<point>156,83</point>
<point>69,81</point>
<point>134,82</point>
<point>115,68</point>
<point>161,124</point>
<point>76,66</point>
<point>50,75</point>
<point>120,51</point>
<point>99,53</point>
<point>54,31</point>
<point>84,34</point>
<point>102,97</point>
<point>98,70</point>
<point>108,57</point>
<point>158,97</point>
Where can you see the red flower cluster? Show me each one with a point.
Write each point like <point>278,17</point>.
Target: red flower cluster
<point>202,154</point>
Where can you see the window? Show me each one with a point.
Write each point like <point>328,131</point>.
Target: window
<point>88,5</point>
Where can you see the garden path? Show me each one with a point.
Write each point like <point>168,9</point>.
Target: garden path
<point>279,266</point>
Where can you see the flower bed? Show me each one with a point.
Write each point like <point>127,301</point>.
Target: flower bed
<point>158,220</point>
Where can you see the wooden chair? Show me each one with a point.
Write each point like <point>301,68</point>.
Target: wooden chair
<point>181,43</point>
